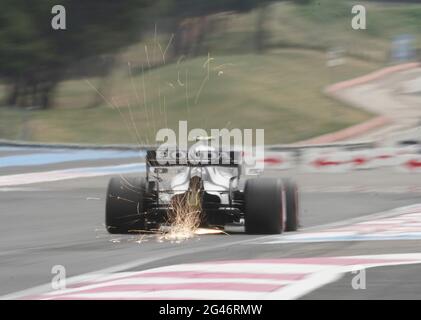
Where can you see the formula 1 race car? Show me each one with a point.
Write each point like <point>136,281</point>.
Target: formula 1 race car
<point>227,201</point>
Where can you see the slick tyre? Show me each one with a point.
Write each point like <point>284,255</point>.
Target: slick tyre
<point>125,205</point>
<point>263,206</point>
<point>291,205</point>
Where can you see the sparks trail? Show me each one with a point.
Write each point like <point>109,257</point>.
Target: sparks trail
<point>163,53</point>
<point>154,41</point>
<point>147,57</point>
<point>137,99</point>
<point>157,57</point>
<point>157,45</point>
<point>202,85</point>
<point>145,100</point>
<point>185,84</point>
<point>129,186</point>
<point>178,71</point>
<point>221,66</point>
<point>149,111</point>
<point>187,94</point>
<point>127,124</point>
<point>206,78</point>
<point>185,213</point>
<point>133,122</point>
<point>123,199</point>
<point>152,105</point>
<point>113,105</point>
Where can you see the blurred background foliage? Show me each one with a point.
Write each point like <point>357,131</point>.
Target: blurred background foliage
<point>234,63</point>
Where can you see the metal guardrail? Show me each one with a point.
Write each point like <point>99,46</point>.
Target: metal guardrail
<point>276,147</point>
<point>19,143</point>
<point>343,145</point>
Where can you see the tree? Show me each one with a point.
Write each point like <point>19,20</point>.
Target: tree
<point>191,21</point>
<point>34,57</point>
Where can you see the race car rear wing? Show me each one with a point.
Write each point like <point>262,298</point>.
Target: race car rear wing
<point>178,157</point>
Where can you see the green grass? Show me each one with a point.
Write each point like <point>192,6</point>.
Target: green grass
<point>280,92</point>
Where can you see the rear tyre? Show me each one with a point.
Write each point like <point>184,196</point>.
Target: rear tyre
<point>125,205</point>
<point>263,206</point>
<point>291,205</point>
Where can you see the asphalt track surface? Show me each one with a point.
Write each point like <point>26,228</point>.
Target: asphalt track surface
<point>61,222</point>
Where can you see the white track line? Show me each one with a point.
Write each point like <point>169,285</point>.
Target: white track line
<point>334,229</point>
<point>91,276</point>
<point>189,294</point>
<point>66,174</point>
<point>314,283</point>
<point>159,287</point>
<point>319,279</point>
